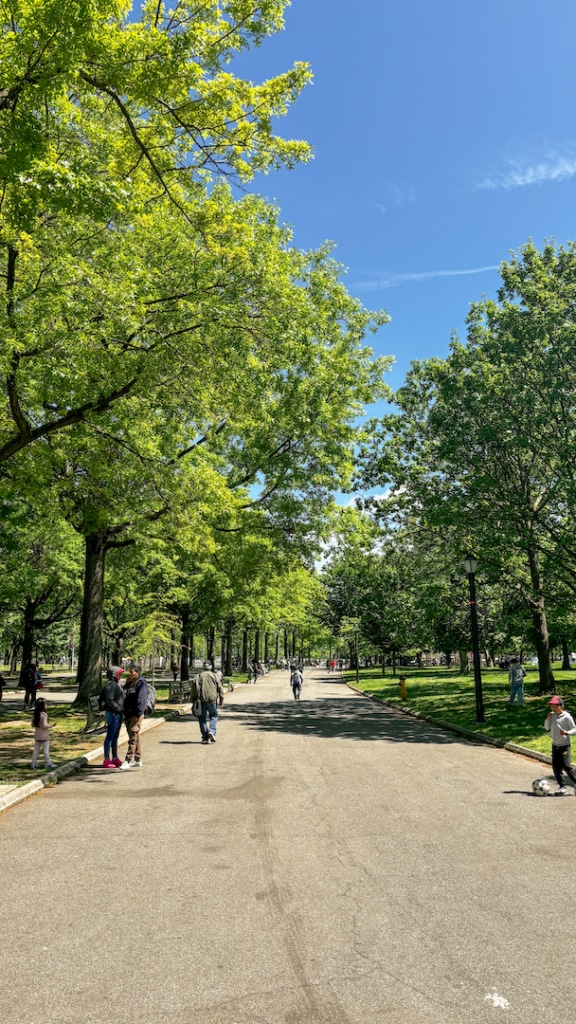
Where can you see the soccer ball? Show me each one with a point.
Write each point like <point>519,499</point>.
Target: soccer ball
<point>540,787</point>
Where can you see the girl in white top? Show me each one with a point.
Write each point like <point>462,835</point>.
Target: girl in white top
<point>41,734</point>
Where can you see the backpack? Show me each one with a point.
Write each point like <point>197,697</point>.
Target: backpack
<point>150,700</point>
<point>296,679</point>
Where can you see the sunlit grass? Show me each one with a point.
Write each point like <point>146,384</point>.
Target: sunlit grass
<point>442,693</point>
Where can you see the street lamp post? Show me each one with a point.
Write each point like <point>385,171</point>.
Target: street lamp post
<point>470,566</point>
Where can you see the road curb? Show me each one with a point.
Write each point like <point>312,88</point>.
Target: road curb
<point>49,779</point>
<point>469,734</point>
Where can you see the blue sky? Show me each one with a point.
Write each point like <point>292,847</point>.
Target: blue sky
<point>444,136</point>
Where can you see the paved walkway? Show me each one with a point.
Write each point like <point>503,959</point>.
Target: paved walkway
<point>325,862</point>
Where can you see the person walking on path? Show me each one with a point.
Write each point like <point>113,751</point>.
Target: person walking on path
<point>112,702</point>
<point>41,734</point>
<point>516,676</point>
<point>134,709</point>
<point>209,690</point>
<point>296,683</point>
<point>561,727</point>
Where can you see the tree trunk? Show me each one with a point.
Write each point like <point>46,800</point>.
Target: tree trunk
<point>277,653</point>
<point>89,675</point>
<point>266,646</point>
<point>27,637</point>
<point>540,626</point>
<point>14,657</point>
<point>184,652</point>
<point>244,650</point>
<point>463,656</point>
<point>257,645</point>
<point>566,666</point>
<point>286,651</point>
<point>448,656</point>
<point>229,627</point>
<point>383,663</point>
<point>118,649</point>
<point>210,638</point>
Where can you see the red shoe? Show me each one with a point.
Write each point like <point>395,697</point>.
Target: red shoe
<point>116,762</point>
<point>107,763</point>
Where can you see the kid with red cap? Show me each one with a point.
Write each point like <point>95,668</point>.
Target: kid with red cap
<point>561,727</point>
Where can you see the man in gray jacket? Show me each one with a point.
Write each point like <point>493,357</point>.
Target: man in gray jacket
<point>207,687</point>
<point>516,676</point>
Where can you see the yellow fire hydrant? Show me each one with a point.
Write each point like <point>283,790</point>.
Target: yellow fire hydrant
<point>402,685</point>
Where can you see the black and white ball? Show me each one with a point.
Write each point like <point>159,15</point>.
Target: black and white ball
<point>540,787</point>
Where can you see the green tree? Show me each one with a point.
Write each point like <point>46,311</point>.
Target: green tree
<point>105,123</point>
<point>483,444</point>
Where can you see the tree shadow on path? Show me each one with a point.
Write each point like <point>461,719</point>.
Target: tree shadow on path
<point>344,717</point>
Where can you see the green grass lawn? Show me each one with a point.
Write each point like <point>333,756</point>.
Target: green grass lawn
<point>442,693</point>
<point>67,739</point>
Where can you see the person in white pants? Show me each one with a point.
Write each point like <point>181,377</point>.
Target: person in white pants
<point>41,734</point>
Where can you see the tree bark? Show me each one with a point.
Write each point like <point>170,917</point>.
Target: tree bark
<point>27,636</point>
<point>546,681</point>
<point>229,628</point>
<point>14,657</point>
<point>257,645</point>
<point>89,676</point>
<point>566,666</point>
<point>244,650</point>
<point>463,656</point>
<point>184,653</point>
<point>210,637</point>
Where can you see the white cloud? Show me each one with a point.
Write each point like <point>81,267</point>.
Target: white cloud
<point>393,280</point>
<point>520,172</point>
<point>392,194</point>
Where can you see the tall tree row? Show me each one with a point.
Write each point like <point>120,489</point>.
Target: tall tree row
<point>479,454</point>
<point>171,366</point>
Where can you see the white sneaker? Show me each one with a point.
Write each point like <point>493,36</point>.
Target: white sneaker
<point>561,791</point>
<point>136,764</point>
<point>125,765</point>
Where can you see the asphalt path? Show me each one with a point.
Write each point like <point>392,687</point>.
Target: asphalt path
<point>325,862</point>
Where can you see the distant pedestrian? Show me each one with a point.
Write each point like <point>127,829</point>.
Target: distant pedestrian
<point>134,709</point>
<point>561,727</point>
<point>111,701</point>
<point>174,669</point>
<point>516,676</point>
<point>41,734</point>
<point>29,681</point>
<point>296,681</point>
<point>209,690</point>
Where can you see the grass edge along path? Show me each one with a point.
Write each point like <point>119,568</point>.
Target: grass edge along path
<point>442,695</point>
